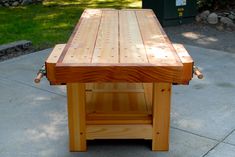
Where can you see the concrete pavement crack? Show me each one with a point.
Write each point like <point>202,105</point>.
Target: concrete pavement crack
<point>221,141</point>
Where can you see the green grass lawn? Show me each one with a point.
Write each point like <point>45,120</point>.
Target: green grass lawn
<point>51,22</point>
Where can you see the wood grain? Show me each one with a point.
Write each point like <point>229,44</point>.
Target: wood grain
<point>82,44</point>
<point>117,73</point>
<point>51,61</point>
<point>116,103</point>
<point>161,116</point>
<point>106,47</point>
<point>119,132</point>
<point>119,46</point>
<point>131,45</point>
<point>76,116</point>
<point>187,61</point>
<point>158,49</point>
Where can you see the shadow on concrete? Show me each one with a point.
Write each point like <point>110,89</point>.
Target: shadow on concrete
<point>202,36</point>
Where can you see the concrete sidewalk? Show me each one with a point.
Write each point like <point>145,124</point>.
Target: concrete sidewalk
<point>33,118</point>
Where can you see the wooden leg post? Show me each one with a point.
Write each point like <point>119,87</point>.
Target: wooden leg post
<point>76,116</point>
<point>161,116</point>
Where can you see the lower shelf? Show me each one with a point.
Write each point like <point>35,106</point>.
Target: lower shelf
<point>118,103</point>
<point>139,131</point>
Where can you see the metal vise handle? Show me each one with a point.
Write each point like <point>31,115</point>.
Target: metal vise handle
<point>40,74</point>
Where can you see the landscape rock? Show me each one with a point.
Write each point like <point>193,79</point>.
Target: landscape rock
<point>220,27</point>
<point>231,16</point>
<point>212,18</point>
<point>15,3</point>
<point>26,2</point>
<point>198,18</point>
<point>205,14</point>
<point>6,5</point>
<point>232,26</point>
<point>227,21</point>
<point>229,29</point>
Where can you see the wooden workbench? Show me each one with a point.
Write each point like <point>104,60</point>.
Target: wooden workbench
<point>119,67</point>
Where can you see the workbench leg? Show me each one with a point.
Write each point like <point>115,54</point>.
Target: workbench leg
<point>76,116</point>
<point>161,116</point>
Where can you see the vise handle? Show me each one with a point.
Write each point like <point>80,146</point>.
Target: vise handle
<point>40,74</point>
<point>197,72</point>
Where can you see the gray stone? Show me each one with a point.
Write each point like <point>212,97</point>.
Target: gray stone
<point>205,14</point>
<point>26,2</point>
<point>230,28</point>
<point>6,5</point>
<point>15,4</point>
<point>198,18</point>
<point>220,27</point>
<point>225,20</point>
<point>24,44</point>
<point>231,16</point>
<point>233,13</point>
<point>212,18</point>
<point>226,13</point>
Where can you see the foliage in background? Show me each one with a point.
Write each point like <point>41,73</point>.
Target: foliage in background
<point>215,4</point>
<point>49,23</point>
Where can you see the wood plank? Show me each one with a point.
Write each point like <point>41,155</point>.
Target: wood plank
<point>131,44</point>
<point>161,116</point>
<point>110,102</point>
<point>106,105</point>
<point>159,71</point>
<point>159,49</point>
<point>187,61</point>
<point>119,118</point>
<point>118,121</point>
<point>52,60</point>
<point>148,94</point>
<point>106,48</point>
<point>119,132</point>
<point>80,49</point>
<point>76,116</point>
<point>117,73</point>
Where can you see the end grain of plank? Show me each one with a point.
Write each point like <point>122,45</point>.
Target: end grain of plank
<point>187,61</point>
<point>52,60</point>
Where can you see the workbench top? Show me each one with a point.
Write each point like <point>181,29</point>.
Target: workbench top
<point>110,45</point>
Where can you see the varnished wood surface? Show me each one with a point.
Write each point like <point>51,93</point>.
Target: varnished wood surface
<point>76,116</point>
<point>117,103</point>
<point>161,116</point>
<point>141,131</point>
<point>187,62</point>
<point>111,45</point>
